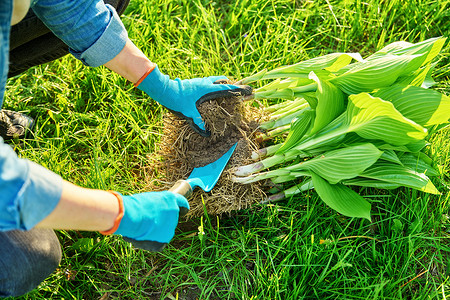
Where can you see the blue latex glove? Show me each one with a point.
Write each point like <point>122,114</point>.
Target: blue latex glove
<point>183,96</point>
<point>151,216</point>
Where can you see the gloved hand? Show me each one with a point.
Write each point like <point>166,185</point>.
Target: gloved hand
<point>149,219</point>
<point>182,97</point>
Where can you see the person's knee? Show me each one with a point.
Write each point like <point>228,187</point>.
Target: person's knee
<point>30,263</point>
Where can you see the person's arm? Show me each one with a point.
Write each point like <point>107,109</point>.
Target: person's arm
<point>92,30</point>
<point>89,209</point>
<point>131,63</point>
<point>97,37</point>
<point>148,220</point>
<point>32,196</point>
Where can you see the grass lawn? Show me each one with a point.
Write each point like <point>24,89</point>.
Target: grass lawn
<point>96,130</point>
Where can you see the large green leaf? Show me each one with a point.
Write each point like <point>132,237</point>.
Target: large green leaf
<point>423,106</point>
<point>373,118</point>
<point>417,145</point>
<point>367,182</point>
<point>376,73</point>
<point>342,163</point>
<point>430,47</point>
<point>298,129</point>
<point>308,96</point>
<point>331,62</point>
<point>341,198</point>
<point>429,81</point>
<point>391,156</point>
<point>417,164</point>
<point>416,78</point>
<point>330,102</point>
<point>397,174</point>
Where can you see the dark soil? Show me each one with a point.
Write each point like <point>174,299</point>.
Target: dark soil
<point>225,120</point>
<point>230,121</point>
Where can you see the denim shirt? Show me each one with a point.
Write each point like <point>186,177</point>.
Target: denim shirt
<point>95,35</point>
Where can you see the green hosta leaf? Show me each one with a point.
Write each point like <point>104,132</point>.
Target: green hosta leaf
<point>391,156</point>
<point>430,47</point>
<point>331,62</point>
<point>308,96</point>
<point>416,146</point>
<point>341,198</point>
<point>298,129</point>
<point>412,147</point>
<point>367,182</point>
<point>416,78</point>
<point>422,156</point>
<point>379,72</point>
<point>330,103</point>
<point>396,174</point>
<point>419,79</point>
<point>352,138</point>
<point>332,134</point>
<point>342,163</point>
<point>343,60</point>
<point>417,164</point>
<point>423,106</point>
<point>392,48</point>
<point>373,118</point>
<point>429,81</point>
<point>382,146</point>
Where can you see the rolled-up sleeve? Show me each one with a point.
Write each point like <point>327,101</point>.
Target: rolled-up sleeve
<point>28,191</point>
<point>92,30</point>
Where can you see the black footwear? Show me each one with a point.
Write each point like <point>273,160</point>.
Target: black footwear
<point>14,124</point>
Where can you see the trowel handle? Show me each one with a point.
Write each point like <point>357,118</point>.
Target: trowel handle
<point>182,187</point>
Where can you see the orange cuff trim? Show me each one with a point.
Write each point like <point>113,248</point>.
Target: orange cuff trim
<point>119,216</point>
<point>145,75</point>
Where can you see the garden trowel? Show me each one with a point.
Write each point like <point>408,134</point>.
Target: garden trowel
<point>204,177</point>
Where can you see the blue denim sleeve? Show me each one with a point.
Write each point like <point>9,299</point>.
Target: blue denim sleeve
<point>93,30</point>
<point>28,192</point>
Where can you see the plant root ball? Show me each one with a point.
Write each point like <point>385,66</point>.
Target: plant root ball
<point>181,150</point>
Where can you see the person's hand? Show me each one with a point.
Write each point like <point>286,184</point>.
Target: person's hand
<point>182,97</point>
<point>149,219</point>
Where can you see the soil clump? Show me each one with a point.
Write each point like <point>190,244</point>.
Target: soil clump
<point>230,121</point>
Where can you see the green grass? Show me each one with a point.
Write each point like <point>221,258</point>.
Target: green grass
<point>96,130</point>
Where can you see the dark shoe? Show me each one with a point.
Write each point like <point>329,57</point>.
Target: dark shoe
<point>14,124</point>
